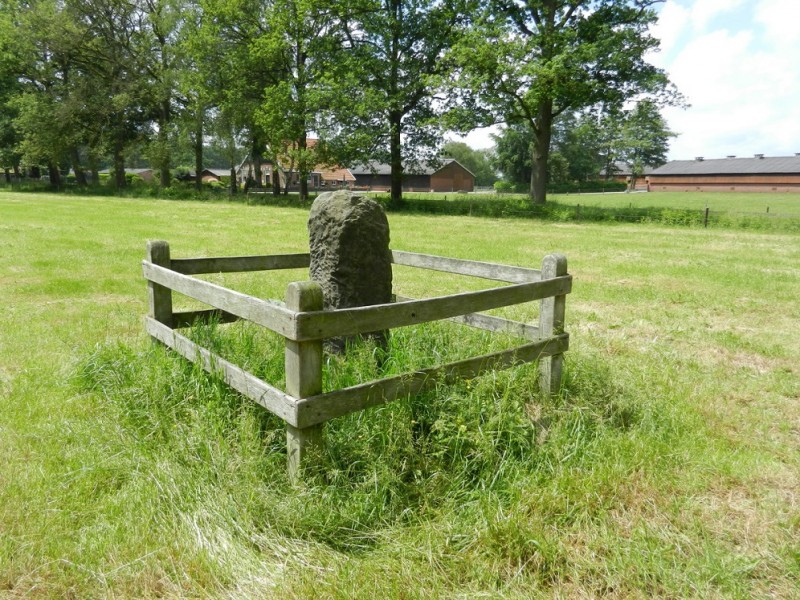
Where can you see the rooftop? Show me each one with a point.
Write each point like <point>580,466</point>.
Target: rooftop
<point>756,165</point>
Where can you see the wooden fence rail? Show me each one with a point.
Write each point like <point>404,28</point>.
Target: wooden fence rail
<point>303,405</point>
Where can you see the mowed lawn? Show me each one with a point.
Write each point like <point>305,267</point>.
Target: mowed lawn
<point>669,468</point>
<point>777,205</point>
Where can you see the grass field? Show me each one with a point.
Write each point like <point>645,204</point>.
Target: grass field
<point>776,204</point>
<point>669,467</point>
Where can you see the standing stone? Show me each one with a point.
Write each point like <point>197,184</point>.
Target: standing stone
<point>350,256</point>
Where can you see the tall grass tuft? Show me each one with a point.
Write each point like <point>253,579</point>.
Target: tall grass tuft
<point>488,468</point>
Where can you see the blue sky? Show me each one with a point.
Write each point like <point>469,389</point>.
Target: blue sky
<point>738,64</point>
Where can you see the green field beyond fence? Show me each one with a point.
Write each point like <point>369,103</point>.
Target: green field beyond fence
<point>668,467</point>
<point>729,210</point>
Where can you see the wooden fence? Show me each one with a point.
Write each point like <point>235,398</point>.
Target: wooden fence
<point>303,405</point>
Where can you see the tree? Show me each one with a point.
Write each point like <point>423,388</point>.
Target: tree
<point>533,60</point>
<point>160,33</point>
<point>397,49</point>
<point>577,139</point>
<point>513,153</point>
<point>10,62</point>
<point>47,41</point>
<point>114,61</point>
<point>644,139</point>
<point>301,42</point>
<point>478,162</point>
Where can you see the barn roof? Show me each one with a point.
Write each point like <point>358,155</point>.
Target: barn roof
<point>217,172</point>
<point>623,168</point>
<point>757,165</point>
<point>421,168</point>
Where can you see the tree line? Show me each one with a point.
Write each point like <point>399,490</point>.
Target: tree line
<point>82,82</point>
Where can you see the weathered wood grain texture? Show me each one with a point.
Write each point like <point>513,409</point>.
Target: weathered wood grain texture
<point>270,314</point>
<point>321,408</point>
<point>303,376</point>
<point>274,400</point>
<point>472,268</point>
<point>351,321</point>
<point>491,323</point>
<point>159,297</point>
<point>239,264</point>
<point>551,322</point>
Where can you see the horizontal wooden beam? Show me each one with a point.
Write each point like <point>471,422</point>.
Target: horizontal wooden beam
<point>270,314</point>
<point>239,264</point>
<point>193,317</point>
<point>352,321</point>
<point>323,407</point>
<point>491,323</point>
<point>274,400</point>
<point>472,268</point>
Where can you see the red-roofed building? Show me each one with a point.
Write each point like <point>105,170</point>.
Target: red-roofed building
<point>321,177</point>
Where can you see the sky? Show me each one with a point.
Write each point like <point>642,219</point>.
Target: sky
<point>737,62</point>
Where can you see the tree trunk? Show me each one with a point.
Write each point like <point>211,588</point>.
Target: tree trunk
<point>276,179</point>
<point>396,157</point>
<point>163,142</point>
<point>94,169</point>
<point>234,187</point>
<point>119,164</point>
<point>257,160</point>
<point>540,152</point>
<point>288,178</point>
<point>7,172</point>
<point>165,176</point>
<point>302,168</point>
<point>54,174</point>
<point>198,151</point>
<point>80,174</point>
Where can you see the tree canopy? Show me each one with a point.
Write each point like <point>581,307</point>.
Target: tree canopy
<point>85,83</point>
<point>529,61</point>
<point>588,144</point>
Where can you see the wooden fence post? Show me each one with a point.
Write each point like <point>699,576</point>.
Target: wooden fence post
<point>159,297</point>
<point>303,375</point>
<point>551,322</point>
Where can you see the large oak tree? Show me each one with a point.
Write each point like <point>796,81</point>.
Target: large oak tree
<point>531,60</point>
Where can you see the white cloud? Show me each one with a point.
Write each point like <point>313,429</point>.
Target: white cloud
<point>742,80</point>
<point>672,22</point>
<point>477,138</point>
<point>703,12</point>
<point>737,63</point>
<point>779,18</point>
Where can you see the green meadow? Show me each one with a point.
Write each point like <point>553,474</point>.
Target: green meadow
<point>740,202</point>
<point>668,467</point>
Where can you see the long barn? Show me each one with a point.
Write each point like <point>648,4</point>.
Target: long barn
<point>448,176</point>
<point>757,174</point>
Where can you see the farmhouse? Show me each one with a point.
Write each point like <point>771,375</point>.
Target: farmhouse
<point>731,174</point>
<point>147,175</point>
<point>622,172</point>
<point>206,175</point>
<point>448,176</point>
<point>321,176</point>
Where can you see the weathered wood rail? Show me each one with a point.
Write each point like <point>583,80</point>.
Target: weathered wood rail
<point>303,405</point>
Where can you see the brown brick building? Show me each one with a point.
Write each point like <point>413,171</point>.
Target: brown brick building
<point>448,176</point>
<point>731,174</point>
